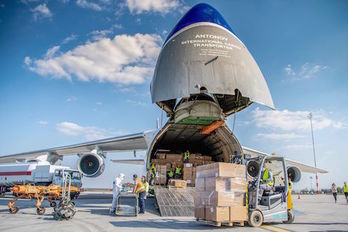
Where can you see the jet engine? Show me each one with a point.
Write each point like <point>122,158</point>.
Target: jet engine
<point>294,173</point>
<point>91,165</point>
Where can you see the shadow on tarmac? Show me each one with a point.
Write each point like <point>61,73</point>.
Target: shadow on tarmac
<point>164,224</point>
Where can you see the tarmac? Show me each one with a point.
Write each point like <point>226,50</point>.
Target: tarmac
<point>312,212</point>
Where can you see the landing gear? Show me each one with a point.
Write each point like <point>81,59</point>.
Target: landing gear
<point>255,218</point>
<point>291,217</point>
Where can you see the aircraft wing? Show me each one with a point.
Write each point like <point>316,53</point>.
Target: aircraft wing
<point>303,167</point>
<point>127,142</point>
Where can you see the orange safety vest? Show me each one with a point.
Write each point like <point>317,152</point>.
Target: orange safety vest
<point>140,188</point>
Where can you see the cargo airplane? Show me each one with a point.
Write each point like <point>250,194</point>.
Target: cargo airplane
<point>204,73</point>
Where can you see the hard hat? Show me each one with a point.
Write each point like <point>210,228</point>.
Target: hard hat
<point>121,176</point>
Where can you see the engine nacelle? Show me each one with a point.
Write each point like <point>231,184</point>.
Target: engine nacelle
<point>91,165</point>
<point>294,173</point>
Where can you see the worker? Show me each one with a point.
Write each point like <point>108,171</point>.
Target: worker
<point>140,190</point>
<point>116,189</point>
<point>288,195</point>
<point>153,172</point>
<point>177,174</point>
<point>334,191</point>
<point>345,190</point>
<point>187,156</point>
<point>146,184</point>
<point>170,175</point>
<point>136,180</point>
<point>267,181</point>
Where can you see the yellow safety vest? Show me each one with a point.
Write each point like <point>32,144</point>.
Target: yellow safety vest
<point>187,155</point>
<point>265,178</point>
<point>290,184</point>
<point>171,173</point>
<point>345,188</point>
<point>178,170</point>
<point>153,169</point>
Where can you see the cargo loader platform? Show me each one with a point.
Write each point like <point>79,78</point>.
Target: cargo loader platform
<point>175,202</point>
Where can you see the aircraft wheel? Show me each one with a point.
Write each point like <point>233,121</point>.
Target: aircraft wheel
<point>13,210</point>
<point>41,211</point>
<point>291,217</point>
<point>255,218</point>
<point>53,204</point>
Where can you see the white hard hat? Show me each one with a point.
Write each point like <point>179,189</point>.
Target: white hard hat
<point>121,176</point>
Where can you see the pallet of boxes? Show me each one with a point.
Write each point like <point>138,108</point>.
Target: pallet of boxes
<point>220,194</point>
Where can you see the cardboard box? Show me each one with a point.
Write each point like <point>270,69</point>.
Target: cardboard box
<point>225,184</point>
<point>194,173</point>
<point>159,161</point>
<point>207,158</point>
<point>200,212</point>
<point>221,170</point>
<point>174,157</point>
<point>199,156</point>
<point>178,183</point>
<point>192,157</point>
<point>198,163</point>
<point>160,155</point>
<point>215,198</point>
<point>238,213</point>
<point>217,214</point>
<point>187,173</point>
<point>188,165</point>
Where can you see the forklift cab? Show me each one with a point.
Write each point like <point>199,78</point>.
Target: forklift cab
<point>267,193</point>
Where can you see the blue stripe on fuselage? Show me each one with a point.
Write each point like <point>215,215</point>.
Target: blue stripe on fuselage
<point>200,13</point>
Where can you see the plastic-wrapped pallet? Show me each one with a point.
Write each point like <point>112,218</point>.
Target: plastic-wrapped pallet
<point>220,192</point>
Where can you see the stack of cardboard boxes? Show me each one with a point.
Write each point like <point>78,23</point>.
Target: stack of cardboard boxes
<point>172,160</point>
<point>220,193</point>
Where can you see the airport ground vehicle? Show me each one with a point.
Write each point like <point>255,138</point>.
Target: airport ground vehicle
<point>65,209</point>
<point>35,172</point>
<point>269,205</point>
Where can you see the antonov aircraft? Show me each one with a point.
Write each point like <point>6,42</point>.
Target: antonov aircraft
<point>204,73</point>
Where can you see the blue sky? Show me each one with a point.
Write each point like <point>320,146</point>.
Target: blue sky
<point>55,89</point>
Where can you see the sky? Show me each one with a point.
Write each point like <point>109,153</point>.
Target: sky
<point>72,71</point>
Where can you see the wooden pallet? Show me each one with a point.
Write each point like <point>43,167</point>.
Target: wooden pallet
<point>225,223</point>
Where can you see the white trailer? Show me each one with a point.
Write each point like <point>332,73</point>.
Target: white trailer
<point>35,172</point>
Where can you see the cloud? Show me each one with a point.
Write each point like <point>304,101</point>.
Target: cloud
<point>286,120</point>
<point>71,99</point>
<point>41,11</point>
<point>100,34</point>
<point>138,103</point>
<point>307,71</point>
<point>88,132</point>
<point>69,39</point>
<point>125,59</point>
<point>88,5</point>
<point>161,6</point>
<point>42,122</point>
<point>279,136</point>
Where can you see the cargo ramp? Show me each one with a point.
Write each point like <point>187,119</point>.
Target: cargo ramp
<point>175,202</point>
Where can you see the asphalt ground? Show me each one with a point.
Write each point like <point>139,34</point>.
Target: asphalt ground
<point>313,213</point>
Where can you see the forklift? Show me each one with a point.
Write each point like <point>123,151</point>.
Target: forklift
<point>268,203</point>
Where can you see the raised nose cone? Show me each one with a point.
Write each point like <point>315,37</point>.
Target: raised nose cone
<point>200,13</point>
<point>202,55</point>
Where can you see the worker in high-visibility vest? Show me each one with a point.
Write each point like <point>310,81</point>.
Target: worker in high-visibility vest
<point>177,174</point>
<point>289,197</point>
<point>267,181</point>
<point>146,185</point>
<point>153,173</point>
<point>187,156</point>
<point>345,190</point>
<point>170,175</point>
<point>140,190</point>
